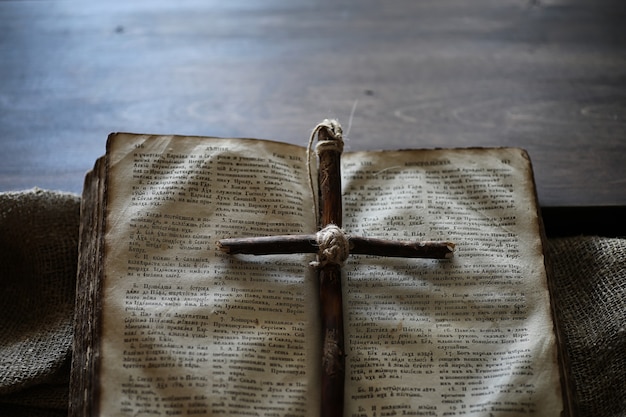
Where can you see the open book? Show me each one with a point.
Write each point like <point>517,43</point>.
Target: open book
<point>169,325</point>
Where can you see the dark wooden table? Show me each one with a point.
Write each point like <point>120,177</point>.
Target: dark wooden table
<point>545,75</point>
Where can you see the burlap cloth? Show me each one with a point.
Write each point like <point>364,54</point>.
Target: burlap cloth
<point>38,243</point>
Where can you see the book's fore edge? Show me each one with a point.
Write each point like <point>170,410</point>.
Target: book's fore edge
<point>83,395</point>
<point>567,389</point>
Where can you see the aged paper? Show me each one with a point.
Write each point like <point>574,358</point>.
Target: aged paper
<point>470,336</point>
<point>186,329</point>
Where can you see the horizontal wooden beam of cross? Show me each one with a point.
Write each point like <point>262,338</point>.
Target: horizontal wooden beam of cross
<point>358,245</point>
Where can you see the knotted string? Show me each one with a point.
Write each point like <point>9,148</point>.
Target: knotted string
<point>336,133</point>
<point>334,246</point>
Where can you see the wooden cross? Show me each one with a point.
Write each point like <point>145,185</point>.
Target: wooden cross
<point>332,247</point>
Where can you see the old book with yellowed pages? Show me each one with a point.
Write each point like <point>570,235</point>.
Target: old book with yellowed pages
<point>167,324</point>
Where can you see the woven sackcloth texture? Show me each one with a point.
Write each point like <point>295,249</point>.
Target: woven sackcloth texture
<point>38,244</point>
<point>38,253</point>
<point>590,282</point>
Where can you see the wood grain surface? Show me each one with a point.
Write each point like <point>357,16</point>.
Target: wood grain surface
<point>545,75</point>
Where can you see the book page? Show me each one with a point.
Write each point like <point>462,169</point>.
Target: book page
<point>470,336</point>
<point>188,330</point>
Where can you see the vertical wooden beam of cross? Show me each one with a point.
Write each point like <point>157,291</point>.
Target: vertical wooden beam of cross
<point>332,246</point>
<point>330,258</point>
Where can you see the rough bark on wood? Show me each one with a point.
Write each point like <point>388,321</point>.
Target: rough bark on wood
<point>333,353</point>
<point>285,244</point>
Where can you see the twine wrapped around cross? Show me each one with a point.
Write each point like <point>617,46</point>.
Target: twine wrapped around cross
<point>333,246</point>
